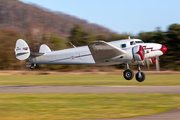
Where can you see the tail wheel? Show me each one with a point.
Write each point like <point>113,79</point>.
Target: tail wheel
<point>128,74</point>
<point>140,77</point>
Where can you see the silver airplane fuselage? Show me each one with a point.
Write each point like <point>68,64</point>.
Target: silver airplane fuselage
<point>83,56</point>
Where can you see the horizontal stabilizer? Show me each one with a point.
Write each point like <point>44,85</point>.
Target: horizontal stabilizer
<point>22,50</point>
<point>103,51</point>
<point>36,54</point>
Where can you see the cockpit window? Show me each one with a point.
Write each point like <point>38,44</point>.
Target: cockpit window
<point>123,45</point>
<point>132,43</point>
<point>139,41</point>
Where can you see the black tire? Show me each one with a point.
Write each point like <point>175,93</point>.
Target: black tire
<point>32,67</point>
<point>142,78</point>
<point>128,74</point>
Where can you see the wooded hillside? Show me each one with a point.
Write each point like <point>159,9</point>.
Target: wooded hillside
<point>24,17</point>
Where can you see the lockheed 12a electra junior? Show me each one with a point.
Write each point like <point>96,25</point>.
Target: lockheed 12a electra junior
<point>128,51</point>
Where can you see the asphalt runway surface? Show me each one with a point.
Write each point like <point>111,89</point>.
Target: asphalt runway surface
<point>170,115</point>
<point>90,89</point>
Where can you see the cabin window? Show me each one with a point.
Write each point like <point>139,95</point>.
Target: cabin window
<point>123,45</point>
<point>132,43</point>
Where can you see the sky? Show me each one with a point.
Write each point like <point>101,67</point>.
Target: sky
<point>121,16</point>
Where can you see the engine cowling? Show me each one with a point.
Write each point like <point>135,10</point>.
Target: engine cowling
<point>138,53</point>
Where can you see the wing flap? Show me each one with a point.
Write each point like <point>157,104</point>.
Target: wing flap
<point>102,51</point>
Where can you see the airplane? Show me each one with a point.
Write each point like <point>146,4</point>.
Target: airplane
<point>128,51</point>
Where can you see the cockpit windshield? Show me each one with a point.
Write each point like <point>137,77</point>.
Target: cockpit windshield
<point>139,41</point>
<point>135,42</point>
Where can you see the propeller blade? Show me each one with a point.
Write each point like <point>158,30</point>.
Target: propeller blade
<point>147,62</point>
<point>157,64</point>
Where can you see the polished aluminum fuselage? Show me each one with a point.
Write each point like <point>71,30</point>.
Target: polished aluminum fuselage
<point>82,55</point>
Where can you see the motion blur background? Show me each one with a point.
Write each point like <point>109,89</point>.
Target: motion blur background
<point>38,25</point>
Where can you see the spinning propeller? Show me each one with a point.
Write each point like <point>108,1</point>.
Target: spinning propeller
<point>157,63</point>
<point>148,62</point>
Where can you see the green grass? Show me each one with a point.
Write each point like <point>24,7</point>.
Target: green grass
<point>58,106</point>
<point>86,80</point>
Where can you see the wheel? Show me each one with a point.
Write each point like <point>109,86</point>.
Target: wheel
<point>128,74</point>
<point>32,67</point>
<point>142,78</point>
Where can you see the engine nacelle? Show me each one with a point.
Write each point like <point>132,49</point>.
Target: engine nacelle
<point>138,53</point>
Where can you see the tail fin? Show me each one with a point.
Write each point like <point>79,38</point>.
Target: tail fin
<point>22,50</point>
<point>44,49</point>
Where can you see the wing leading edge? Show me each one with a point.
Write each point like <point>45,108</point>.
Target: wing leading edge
<point>103,51</point>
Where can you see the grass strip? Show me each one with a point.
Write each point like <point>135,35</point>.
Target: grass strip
<point>56,106</point>
<point>87,80</point>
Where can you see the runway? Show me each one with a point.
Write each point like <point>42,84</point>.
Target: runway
<point>170,115</point>
<point>90,89</point>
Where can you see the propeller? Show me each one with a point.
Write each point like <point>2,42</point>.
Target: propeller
<point>157,63</point>
<point>148,64</point>
<point>147,59</point>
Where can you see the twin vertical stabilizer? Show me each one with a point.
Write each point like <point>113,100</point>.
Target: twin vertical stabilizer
<point>22,50</point>
<point>44,49</point>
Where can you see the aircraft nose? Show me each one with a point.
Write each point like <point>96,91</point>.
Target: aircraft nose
<point>163,49</point>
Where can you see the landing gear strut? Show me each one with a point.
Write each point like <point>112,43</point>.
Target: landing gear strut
<point>33,66</point>
<point>140,76</point>
<point>128,74</point>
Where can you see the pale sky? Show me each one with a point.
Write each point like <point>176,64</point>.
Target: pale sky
<point>121,16</point>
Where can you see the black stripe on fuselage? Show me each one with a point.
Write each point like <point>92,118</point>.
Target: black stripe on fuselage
<point>72,57</point>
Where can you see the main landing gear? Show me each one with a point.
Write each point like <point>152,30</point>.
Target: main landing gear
<point>140,76</point>
<point>129,74</point>
<point>33,66</point>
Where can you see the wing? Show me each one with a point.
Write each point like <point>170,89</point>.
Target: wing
<point>102,51</point>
